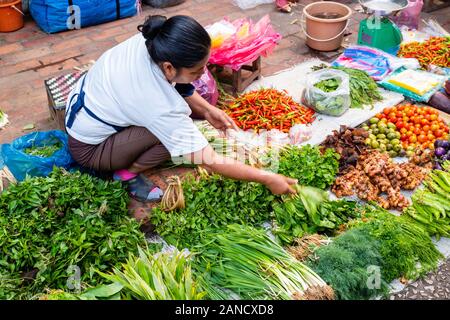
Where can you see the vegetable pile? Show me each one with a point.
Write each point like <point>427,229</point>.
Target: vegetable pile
<point>349,143</point>
<point>441,152</point>
<point>309,165</point>
<point>309,212</point>
<point>363,90</point>
<point>431,205</point>
<point>396,246</point>
<point>375,173</point>
<point>383,136</point>
<point>268,109</point>
<point>65,220</point>
<point>164,276</point>
<point>419,126</point>
<point>212,202</point>
<point>434,51</point>
<point>44,151</point>
<point>245,263</point>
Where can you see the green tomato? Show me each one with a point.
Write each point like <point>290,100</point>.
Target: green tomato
<point>395,142</point>
<point>366,127</point>
<point>391,125</point>
<point>374,120</point>
<point>381,136</point>
<point>392,154</point>
<point>382,130</point>
<point>382,125</point>
<point>398,135</point>
<point>375,144</point>
<point>375,131</point>
<point>389,147</point>
<point>382,147</point>
<point>368,141</point>
<point>391,136</point>
<point>397,148</point>
<point>372,136</point>
<point>373,126</point>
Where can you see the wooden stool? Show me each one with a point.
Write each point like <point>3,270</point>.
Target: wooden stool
<point>238,83</point>
<point>58,89</point>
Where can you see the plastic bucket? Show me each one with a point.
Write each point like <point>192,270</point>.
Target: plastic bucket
<point>325,34</point>
<point>11,15</point>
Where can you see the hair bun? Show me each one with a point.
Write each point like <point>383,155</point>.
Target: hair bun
<point>152,26</point>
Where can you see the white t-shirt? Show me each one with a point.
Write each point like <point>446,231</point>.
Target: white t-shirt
<point>125,87</point>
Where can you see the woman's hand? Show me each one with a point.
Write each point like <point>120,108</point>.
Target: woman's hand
<point>220,120</point>
<point>280,184</point>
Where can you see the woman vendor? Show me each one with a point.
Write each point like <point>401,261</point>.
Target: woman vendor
<point>132,111</point>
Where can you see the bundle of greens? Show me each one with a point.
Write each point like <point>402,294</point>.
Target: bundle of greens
<point>212,202</point>
<point>310,211</point>
<point>431,205</point>
<point>363,89</point>
<point>50,227</point>
<point>377,249</point>
<point>309,165</point>
<point>44,151</point>
<point>164,276</point>
<point>405,248</point>
<point>243,262</point>
<point>350,265</point>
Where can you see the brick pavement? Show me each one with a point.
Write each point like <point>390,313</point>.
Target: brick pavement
<point>29,56</point>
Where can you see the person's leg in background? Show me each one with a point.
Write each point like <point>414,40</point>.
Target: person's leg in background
<point>127,153</point>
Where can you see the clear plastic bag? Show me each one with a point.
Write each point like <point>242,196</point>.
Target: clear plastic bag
<point>21,163</point>
<point>417,85</point>
<point>206,86</point>
<point>240,42</point>
<point>410,16</point>
<point>334,102</point>
<point>248,4</point>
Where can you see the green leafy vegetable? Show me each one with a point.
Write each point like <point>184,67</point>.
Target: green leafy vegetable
<point>310,166</point>
<point>50,227</point>
<point>44,151</point>
<point>212,202</point>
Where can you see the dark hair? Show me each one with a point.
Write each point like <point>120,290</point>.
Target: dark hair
<point>180,40</point>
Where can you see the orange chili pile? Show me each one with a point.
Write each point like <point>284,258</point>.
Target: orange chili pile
<point>268,109</point>
<point>435,51</point>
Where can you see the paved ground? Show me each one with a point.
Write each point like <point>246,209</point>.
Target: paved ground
<point>435,286</point>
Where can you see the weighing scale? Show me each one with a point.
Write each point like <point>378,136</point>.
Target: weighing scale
<point>378,31</point>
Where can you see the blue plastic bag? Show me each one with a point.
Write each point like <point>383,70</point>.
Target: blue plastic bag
<point>21,164</point>
<point>58,15</point>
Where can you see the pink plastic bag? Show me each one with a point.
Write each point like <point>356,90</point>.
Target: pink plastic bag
<point>410,16</point>
<point>206,86</point>
<point>241,42</point>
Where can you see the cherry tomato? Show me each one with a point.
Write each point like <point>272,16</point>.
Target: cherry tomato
<point>433,117</point>
<point>417,131</point>
<point>423,121</point>
<point>412,139</point>
<point>409,133</point>
<point>438,133</point>
<point>431,137</point>
<point>386,111</point>
<point>402,107</point>
<point>422,138</point>
<point>379,116</point>
<point>434,127</point>
<point>426,128</point>
<point>399,124</point>
<point>403,130</point>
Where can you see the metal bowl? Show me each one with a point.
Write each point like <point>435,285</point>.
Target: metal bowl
<point>383,7</point>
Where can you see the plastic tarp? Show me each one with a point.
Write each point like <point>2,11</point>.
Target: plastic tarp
<point>59,15</point>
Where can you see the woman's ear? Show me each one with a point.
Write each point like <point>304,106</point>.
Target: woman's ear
<point>169,71</point>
